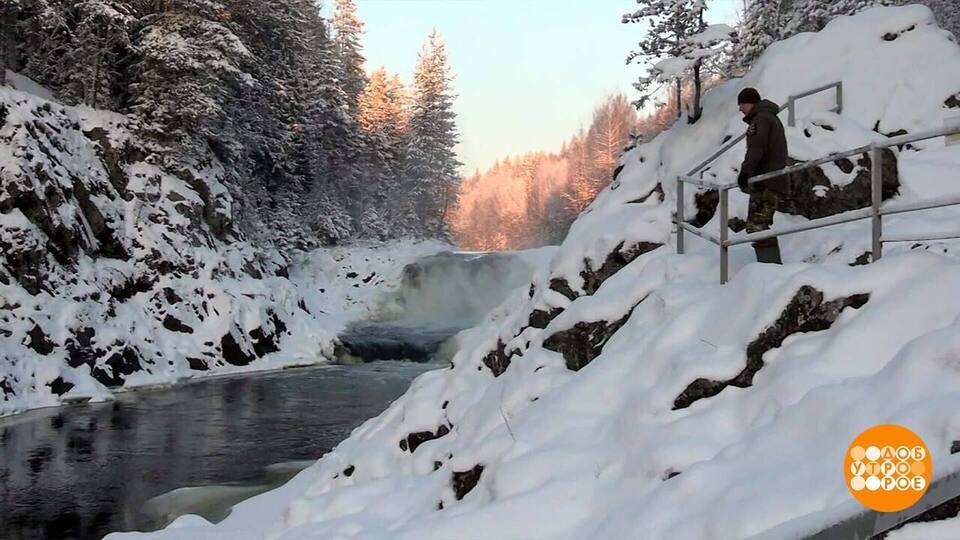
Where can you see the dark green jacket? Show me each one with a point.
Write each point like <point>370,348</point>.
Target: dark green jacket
<point>766,145</point>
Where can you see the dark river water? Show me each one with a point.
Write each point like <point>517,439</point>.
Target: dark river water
<point>87,470</point>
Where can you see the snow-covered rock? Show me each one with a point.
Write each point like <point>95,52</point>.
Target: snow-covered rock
<point>628,394</point>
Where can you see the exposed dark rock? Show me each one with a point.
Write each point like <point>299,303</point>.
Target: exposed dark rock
<point>657,190</point>
<point>464,482</point>
<point>118,365</point>
<point>891,36</point>
<point>955,447</point>
<point>706,203</point>
<point>348,472</point>
<point>171,296</point>
<point>540,319</point>
<point>497,360</point>
<point>265,343</point>
<point>616,172</point>
<point>80,348</point>
<point>176,325</point>
<point>615,261</point>
<point>352,275</point>
<point>863,259</point>
<point>130,288</point>
<point>7,388</point>
<point>952,102</point>
<point>39,341</point>
<point>584,342</point>
<point>60,387</point>
<point>414,440</point>
<point>806,312</point>
<point>233,353</point>
<point>197,364</point>
<point>804,201</point>
<point>561,286</point>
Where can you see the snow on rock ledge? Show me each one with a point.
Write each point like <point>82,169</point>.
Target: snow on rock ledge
<point>626,390</point>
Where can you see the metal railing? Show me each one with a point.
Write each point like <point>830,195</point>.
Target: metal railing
<point>875,212</point>
<point>791,107</point>
<point>869,523</point>
<point>850,520</point>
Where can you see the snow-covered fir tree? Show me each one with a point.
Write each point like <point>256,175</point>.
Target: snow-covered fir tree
<point>764,22</point>
<point>381,104</point>
<point>348,29</point>
<point>432,165</point>
<point>677,43</point>
<point>9,10</point>
<point>947,12</point>
<point>102,30</point>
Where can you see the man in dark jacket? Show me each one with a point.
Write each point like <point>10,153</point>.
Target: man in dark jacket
<point>766,152</point>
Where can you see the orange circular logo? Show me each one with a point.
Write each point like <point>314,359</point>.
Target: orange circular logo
<point>888,468</point>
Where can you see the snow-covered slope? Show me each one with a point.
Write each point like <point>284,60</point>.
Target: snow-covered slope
<point>627,394</point>
<point>117,273</point>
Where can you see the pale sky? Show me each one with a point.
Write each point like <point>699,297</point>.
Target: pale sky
<point>528,72</point>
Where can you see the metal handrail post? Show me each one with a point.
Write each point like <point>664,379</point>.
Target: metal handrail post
<point>679,218</point>
<point>876,190</point>
<point>791,111</point>
<point>840,97</point>
<point>724,231</point>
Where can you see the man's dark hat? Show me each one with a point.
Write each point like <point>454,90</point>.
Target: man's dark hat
<point>748,95</point>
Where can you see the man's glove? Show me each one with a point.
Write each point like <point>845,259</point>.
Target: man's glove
<point>742,182</point>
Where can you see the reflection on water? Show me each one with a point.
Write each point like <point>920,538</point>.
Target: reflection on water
<point>83,471</point>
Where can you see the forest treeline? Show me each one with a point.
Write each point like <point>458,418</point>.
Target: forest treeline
<point>267,95</point>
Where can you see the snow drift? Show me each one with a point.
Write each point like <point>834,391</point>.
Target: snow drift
<point>627,394</point>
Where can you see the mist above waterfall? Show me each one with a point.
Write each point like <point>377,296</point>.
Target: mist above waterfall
<point>459,288</point>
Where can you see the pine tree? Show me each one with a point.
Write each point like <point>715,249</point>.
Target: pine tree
<point>8,37</point>
<point>680,42</point>
<point>102,30</point>
<point>432,163</point>
<point>381,105</point>
<point>947,12</point>
<point>764,22</point>
<point>192,65</point>
<point>348,31</point>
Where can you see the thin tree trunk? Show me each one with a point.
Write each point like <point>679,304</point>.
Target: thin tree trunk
<point>697,91</point>
<point>679,98</point>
